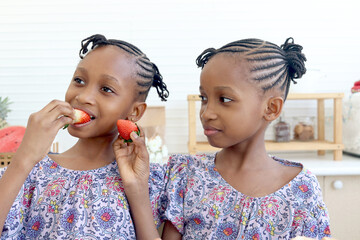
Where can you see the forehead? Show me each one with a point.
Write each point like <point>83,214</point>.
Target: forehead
<point>227,68</point>
<point>109,60</point>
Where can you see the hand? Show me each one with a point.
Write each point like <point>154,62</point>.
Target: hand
<point>41,130</point>
<point>133,161</point>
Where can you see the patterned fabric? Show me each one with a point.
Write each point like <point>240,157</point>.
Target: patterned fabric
<point>58,203</point>
<point>202,205</point>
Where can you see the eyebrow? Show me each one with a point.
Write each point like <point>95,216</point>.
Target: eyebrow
<point>221,88</point>
<point>109,77</point>
<point>105,76</point>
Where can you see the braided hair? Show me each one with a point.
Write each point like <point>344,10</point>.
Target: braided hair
<point>271,65</point>
<point>148,73</point>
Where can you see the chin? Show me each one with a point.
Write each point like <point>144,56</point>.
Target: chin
<point>74,133</point>
<point>215,144</point>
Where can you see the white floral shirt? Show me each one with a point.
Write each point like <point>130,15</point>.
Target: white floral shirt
<point>202,205</point>
<point>59,203</point>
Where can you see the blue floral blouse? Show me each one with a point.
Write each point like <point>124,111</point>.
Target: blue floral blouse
<point>59,203</point>
<point>202,205</point>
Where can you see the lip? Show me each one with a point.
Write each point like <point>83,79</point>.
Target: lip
<point>78,125</point>
<point>210,131</point>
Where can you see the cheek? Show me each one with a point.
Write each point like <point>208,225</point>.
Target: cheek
<point>68,95</point>
<point>119,109</point>
<point>201,111</point>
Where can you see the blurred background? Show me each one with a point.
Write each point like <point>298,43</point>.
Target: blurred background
<point>40,41</point>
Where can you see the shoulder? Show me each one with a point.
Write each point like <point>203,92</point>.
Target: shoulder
<point>187,162</point>
<point>307,176</point>
<point>304,185</point>
<point>306,189</point>
<point>36,168</point>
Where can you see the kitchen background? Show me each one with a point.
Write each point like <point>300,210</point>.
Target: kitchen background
<point>40,40</point>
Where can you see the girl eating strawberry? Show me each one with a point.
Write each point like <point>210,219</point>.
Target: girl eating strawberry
<point>79,194</point>
<point>240,192</point>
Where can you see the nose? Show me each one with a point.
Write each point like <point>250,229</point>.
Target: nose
<point>86,95</point>
<point>207,112</point>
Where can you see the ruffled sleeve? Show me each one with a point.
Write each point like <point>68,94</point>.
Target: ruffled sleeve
<point>174,191</point>
<point>19,209</point>
<point>156,189</point>
<point>316,221</point>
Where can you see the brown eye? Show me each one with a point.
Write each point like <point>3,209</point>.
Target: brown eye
<point>203,98</point>
<point>78,81</point>
<point>225,99</point>
<point>106,89</point>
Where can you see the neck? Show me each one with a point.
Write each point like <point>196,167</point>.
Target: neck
<point>94,152</point>
<point>249,154</point>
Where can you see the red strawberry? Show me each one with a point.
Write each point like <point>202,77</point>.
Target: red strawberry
<point>80,117</point>
<point>125,127</point>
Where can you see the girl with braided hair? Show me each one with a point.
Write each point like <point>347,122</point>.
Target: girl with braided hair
<point>79,194</point>
<point>241,192</point>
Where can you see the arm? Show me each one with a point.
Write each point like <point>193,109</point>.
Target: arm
<point>170,232</point>
<point>133,162</point>
<point>40,132</point>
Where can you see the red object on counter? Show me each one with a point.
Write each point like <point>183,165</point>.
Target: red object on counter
<point>356,87</point>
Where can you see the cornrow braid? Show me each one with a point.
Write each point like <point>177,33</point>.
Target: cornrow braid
<point>271,65</point>
<point>148,73</point>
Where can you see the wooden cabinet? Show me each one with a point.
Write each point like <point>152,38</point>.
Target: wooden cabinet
<point>320,144</point>
<point>342,197</point>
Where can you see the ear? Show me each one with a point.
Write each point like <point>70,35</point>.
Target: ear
<point>137,111</point>
<point>273,109</point>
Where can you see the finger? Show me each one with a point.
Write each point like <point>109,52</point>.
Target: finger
<point>63,109</point>
<point>54,104</point>
<point>139,142</point>
<point>59,112</point>
<point>62,121</point>
<point>119,144</point>
<point>142,132</point>
<point>122,149</point>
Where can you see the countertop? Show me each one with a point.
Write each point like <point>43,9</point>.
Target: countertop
<point>324,165</point>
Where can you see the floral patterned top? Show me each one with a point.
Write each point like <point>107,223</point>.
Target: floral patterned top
<point>202,205</point>
<point>59,203</point>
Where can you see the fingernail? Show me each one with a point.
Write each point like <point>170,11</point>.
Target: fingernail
<point>134,135</point>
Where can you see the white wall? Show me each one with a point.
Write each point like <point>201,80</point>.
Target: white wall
<point>40,40</point>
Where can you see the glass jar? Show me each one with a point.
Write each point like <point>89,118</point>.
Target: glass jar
<point>304,129</point>
<point>282,131</point>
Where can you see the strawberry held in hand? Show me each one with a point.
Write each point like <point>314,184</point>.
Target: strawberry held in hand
<point>125,127</point>
<point>80,117</point>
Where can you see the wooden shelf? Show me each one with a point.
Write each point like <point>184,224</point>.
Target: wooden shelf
<point>320,144</point>
<point>301,146</point>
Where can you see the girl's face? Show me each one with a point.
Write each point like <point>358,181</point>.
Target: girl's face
<point>104,87</point>
<point>232,108</point>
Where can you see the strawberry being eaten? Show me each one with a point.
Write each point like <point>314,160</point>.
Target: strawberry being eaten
<point>80,117</point>
<point>125,127</point>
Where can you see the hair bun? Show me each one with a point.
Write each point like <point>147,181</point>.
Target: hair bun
<point>295,58</point>
<point>96,40</point>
